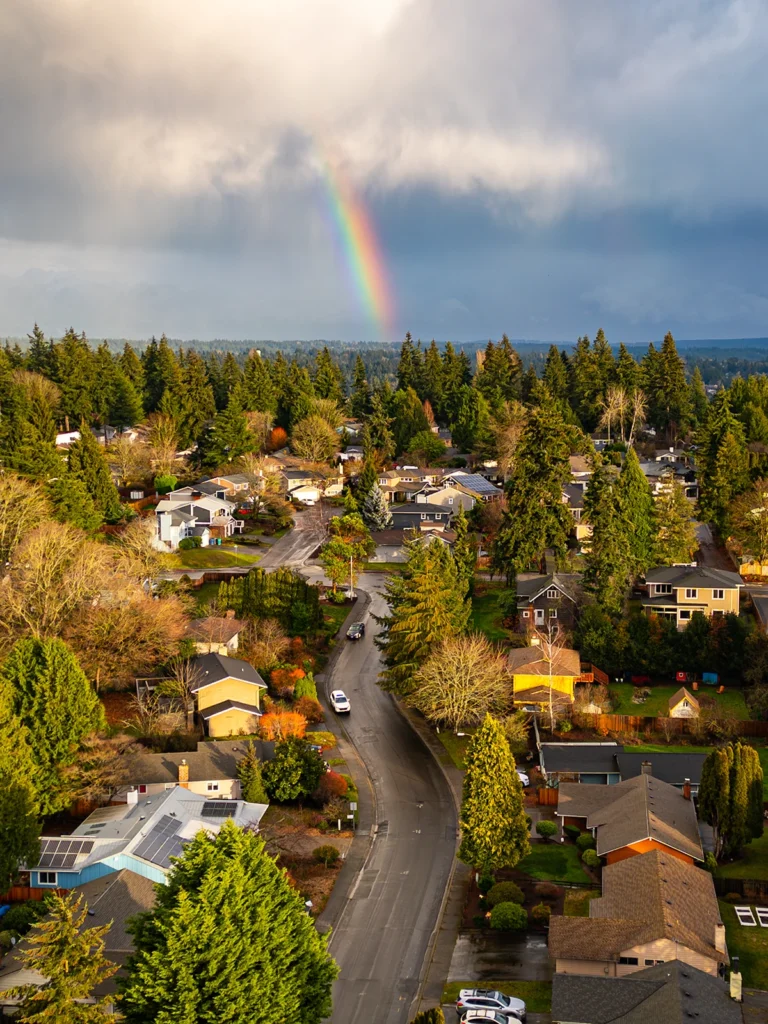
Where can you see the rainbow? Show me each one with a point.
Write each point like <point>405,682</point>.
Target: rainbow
<point>362,250</point>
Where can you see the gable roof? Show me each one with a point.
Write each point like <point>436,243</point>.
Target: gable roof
<point>666,766</point>
<point>682,694</point>
<point>566,583</point>
<point>693,576</point>
<point>670,993</point>
<point>214,629</point>
<point>475,482</point>
<point>632,811</point>
<point>212,668</point>
<point>579,757</point>
<point>530,661</point>
<point>645,898</point>
<point>211,762</point>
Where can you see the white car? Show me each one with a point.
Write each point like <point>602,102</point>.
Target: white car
<point>523,777</point>
<point>480,1004</point>
<point>339,702</point>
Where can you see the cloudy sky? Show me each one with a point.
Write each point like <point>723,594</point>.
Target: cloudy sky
<point>541,168</point>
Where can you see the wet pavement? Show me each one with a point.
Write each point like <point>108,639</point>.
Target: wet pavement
<point>485,955</point>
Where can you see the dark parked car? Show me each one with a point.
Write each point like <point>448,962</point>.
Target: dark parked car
<point>356,631</point>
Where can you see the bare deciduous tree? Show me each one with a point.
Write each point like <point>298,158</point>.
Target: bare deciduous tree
<point>23,506</point>
<point>268,643</point>
<point>181,680</point>
<point>144,714</point>
<point>137,557</point>
<point>507,426</point>
<point>551,640</point>
<point>463,680</point>
<point>260,426</point>
<point>749,517</point>
<point>100,769</point>
<point>163,438</point>
<point>313,439</point>
<point>130,458</point>
<point>639,410</point>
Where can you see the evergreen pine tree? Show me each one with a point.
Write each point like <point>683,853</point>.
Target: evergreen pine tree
<point>375,511</point>
<point>228,439</point>
<point>378,439</point>
<point>494,830</point>
<point>105,384</point>
<point>676,538</point>
<point>71,959</point>
<point>360,398</point>
<point>667,389</point>
<point>556,374</point>
<point>627,371</point>
<point>698,398</point>
<point>408,370</point>
<point>167,381</point>
<point>609,560</point>
<point>256,390</point>
<point>453,379</point>
<point>328,379</point>
<point>73,369</point>
<point>722,462</point>
<point>39,353</point>
<point>427,604</point>
<point>249,774</point>
<point>470,427</point>
<point>71,502</point>
<point>87,463</point>
<point>586,385</point>
<point>231,375</point>
<point>125,408</point>
<point>464,549</point>
<point>50,694</point>
<point>295,402</point>
<point>195,400</point>
<point>131,366</point>
<point>19,827</point>
<point>366,481</point>
<point>433,377</point>
<point>636,500</point>
<point>228,934</point>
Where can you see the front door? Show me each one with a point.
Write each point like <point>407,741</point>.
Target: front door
<point>538,616</point>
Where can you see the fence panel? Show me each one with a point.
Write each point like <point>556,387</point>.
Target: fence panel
<point>547,797</point>
<point>753,890</point>
<point>675,726</point>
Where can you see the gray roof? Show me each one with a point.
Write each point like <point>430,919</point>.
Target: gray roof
<point>212,668</point>
<point>671,993</point>
<point>298,474</point>
<point>693,576</point>
<point>575,495</point>
<point>580,757</point>
<point>211,762</point>
<point>411,508</point>
<point>669,767</point>
<point>229,705</point>
<point>661,469</point>
<point>567,583</point>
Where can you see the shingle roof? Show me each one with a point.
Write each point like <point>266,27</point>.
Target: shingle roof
<point>671,768</point>
<point>580,757</point>
<point>541,695</point>
<point>670,993</point>
<point>647,897</point>
<point>633,810</point>
<point>229,705</point>
<point>214,629</point>
<point>682,694</point>
<point>567,583</point>
<point>530,661</point>
<point>212,668</point>
<point>211,761</point>
<point>693,576</point>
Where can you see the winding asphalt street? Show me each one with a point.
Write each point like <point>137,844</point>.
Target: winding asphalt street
<point>383,935</point>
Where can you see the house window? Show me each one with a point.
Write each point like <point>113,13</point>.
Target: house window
<point>553,613</point>
<point>170,785</point>
<point>552,595</point>
<point>450,501</point>
<point>136,495</point>
<point>142,789</point>
<point>439,515</point>
<point>423,515</point>
<point>213,787</point>
<point>718,595</point>
<point>663,588</point>
<point>652,963</point>
<point>47,878</point>
<point>685,615</point>
<point>526,615</point>
<point>692,593</point>
<point>631,960</point>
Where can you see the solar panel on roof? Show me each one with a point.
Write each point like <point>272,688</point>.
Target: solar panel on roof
<point>69,860</point>
<point>87,847</point>
<point>45,861</point>
<point>219,809</point>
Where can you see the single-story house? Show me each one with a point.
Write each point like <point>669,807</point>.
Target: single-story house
<point>672,992</point>
<point>450,498</point>
<point>533,675</point>
<point>634,816</point>
<point>216,634</point>
<point>654,908</point>
<point>111,900</point>
<point>683,705</point>
<point>66,438</point>
<point>141,835</point>
<point>390,544</point>
<point>228,693</point>
<point>352,454</point>
<point>543,598</point>
<point>606,763</point>
<point>210,771</point>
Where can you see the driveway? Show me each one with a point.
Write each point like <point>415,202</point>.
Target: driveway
<point>381,938</point>
<point>298,545</point>
<point>709,553</point>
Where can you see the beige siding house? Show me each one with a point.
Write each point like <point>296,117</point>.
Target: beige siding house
<point>683,705</point>
<point>216,635</point>
<point>676,592</point>
<point>654,908</point>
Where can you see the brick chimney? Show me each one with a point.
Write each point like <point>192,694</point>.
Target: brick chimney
<point>184,774</point>
<point>229,613</point>
<point>687,789</point>
<point>646,768</point>
<point>720,937</point>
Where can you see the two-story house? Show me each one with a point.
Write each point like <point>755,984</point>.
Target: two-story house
<point>192,512</point>
<point>413,516</point>
<point>236,486</point>
<point>661,475</point>
<point>677,591</point>
<point>542,599</point>
<point>573,497</point>
<point>228,693</point>
<point>450,498</point>
<point>654,908</point>
<point>404,483</point>
<point>537,679</point>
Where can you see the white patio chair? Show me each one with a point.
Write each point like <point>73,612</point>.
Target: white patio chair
<point>745,917</point>
<point>762,916</point>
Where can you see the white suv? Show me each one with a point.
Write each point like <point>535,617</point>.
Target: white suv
<point>490,1005</point>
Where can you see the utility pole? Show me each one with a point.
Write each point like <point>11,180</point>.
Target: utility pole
<point>351,580</point>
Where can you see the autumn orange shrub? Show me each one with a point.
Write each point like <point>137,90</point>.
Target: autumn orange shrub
<point>283,725</point>
<point>278,438</point>
<point>310,709</point>
<point>297,645</point>
<point>331,785</point>
<point>284,679</point>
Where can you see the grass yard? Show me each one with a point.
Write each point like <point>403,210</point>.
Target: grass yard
<point>382,566</point>
<point>209,558</point>
<point>750,945</point>
<point>334,615</point>
<point>754,863</point>
<point>577,902</point>
<point>204,594</point>
<point>487,616</point>
<point>455,745</point>
<point>657,705</point>
<point>552,862</point>
<point>537,994</point>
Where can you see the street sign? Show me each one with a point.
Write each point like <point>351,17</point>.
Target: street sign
<point>352,805</point>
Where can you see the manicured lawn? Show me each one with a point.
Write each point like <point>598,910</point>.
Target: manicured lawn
<point>754,863</point>
<point>382,566</point>
<point>209,558</point>
<point>486,616</point>
<point>206,593</point>
<point>334,615</point>
<point>537,994</point>
<point>554,862</point>
<point>455,745</point>
<point>657,704</point>
<point>750,945</point>
<point>577,902</point>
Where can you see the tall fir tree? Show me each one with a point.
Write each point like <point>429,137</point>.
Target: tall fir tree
<point>470,429</point>
<point>256,390</point>
<point>378,439</point>
<point>464,549</point>
<point>87,463</point>
<point>19,827</point>
<point>428,603</point>
<point>556,374</point>
<point>666,388</point>
<point>249,774</point>
<point>375,510</point>
<point>197,404</point>
<point>50,694</point>
<point>433,377</point>
<point>627,370</point>
<point>494,829</point>
<point>360,398</point>
<point>227,440</point>
<point>699,402</point>
<point>408,369</point>
<point>70,957</point>
<point>408,418</point>
<point>609,560</point>
<point>71,502</point>
<point>722,462</point>
<point>39,353</point>
<point>328,378</point>
<point>131,366</point>
<point>228,934</point>
<point>636,501</point>
<point>676,538</point>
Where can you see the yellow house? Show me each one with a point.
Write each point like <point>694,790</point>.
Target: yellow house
<point>533,674</point>
<point>676,592</point>
<point>683,705</point>
<point>228,695</point>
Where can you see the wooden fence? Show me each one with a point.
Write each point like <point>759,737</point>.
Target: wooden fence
<point>21,893</point>
<point>547,797</point>
<point>676,726</point>
<point>752,890</point>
